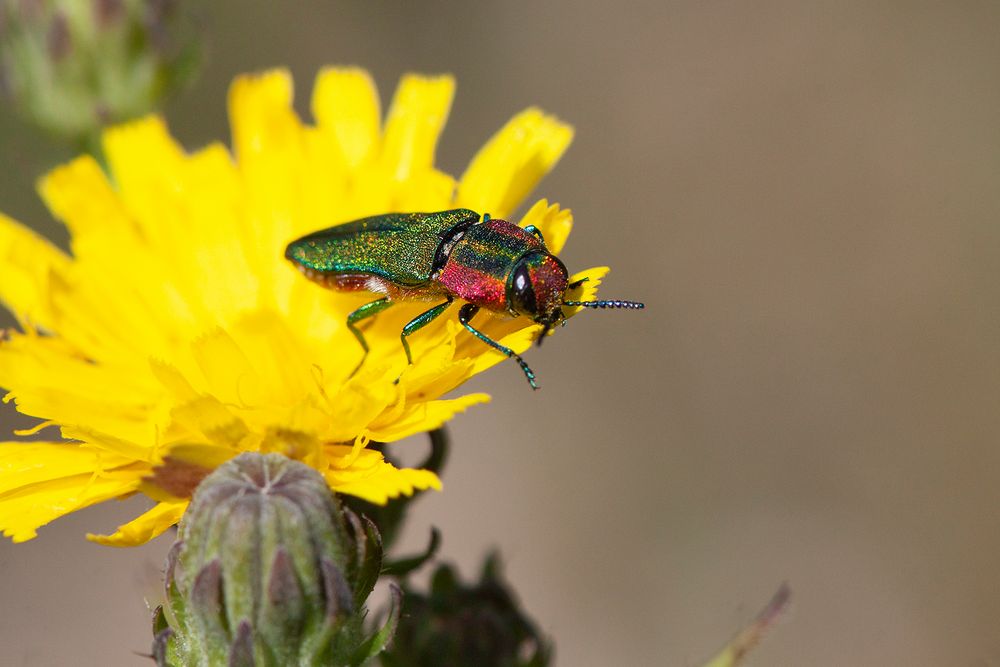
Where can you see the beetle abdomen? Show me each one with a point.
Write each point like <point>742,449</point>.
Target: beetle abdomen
<point>358,282</point>
<point>399,248</point>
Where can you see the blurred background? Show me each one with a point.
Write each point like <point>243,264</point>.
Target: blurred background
<point>805,196</point>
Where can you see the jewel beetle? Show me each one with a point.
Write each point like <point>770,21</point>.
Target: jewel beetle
<point>489,263</point>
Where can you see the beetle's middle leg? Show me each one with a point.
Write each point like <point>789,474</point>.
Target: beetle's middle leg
<point>467,312</point>
<point>419,322</point>
<point>364,312</point>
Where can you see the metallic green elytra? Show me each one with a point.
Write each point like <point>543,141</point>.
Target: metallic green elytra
<point>448,255</point>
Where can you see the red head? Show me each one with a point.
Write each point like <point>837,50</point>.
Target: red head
<point>536,288</point>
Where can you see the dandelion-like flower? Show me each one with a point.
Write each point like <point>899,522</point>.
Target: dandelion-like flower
<point>176,335</point>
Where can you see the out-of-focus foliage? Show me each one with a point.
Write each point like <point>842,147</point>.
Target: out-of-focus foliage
<point>73,66</point>
<point>461,624</point>
<point>740,645</point>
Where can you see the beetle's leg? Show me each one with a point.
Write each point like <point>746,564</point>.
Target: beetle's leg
<point>364,312</point>
<point>536,232</point>
<point>577,283</point>
<point>419,322</point>
<point>469,311</point>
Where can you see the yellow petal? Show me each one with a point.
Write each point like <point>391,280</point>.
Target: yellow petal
<point>33,269</point>
<point>103,310</point>
<point>430,190</point>
<point>358,403</point>
<point>424,416</point>
<point>48,380</point>
<point>24,464</point>
<point>141,151</point>
<point>225,369</point>
<point>382,481</point>
<point>172,381</point>
<point>278,357</point>
<point>416,117</point>
<point>554,223</point>
<point>512,163</point>
<point>144,527</point>
<point>269,142</point>
<point>140,452</point>
<point>206,419</point>
<point>186,210</point>
<point>43,481</point>
<point>346,106</point>
<point>210,266</point>
<point>146,165</point>
<point>260,113</point>
<point>587,291</point>
<point>436,371</point>
<point>78,193</point>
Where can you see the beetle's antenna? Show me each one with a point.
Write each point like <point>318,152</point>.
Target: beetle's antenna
<point>606,304</point>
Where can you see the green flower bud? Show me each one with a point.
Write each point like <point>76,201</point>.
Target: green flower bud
<point>73,66</point>
<point>269,569</point>
<point>458,624</point>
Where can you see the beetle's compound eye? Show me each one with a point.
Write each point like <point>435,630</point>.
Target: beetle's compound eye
<point>521,292</point>
<point>537,286</point>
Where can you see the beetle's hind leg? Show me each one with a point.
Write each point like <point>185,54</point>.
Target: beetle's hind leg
<point>469,311</point>
<point>419,322</point>
<point>362,313</point>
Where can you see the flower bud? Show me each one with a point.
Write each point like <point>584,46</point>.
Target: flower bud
<point>268,569</point>
<point>73,66</point>
<point>460,624</point>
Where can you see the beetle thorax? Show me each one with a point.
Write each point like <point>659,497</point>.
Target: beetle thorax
<point>481,262</point>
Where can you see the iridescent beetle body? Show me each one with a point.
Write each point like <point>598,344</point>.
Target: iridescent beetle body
<point>489,263</point>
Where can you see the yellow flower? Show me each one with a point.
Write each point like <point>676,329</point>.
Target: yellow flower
<point>177,335</point>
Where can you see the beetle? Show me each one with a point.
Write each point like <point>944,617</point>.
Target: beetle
<point>489,263</point>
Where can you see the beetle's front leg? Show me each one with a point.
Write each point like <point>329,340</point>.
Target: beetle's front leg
<point>364,312</point>
<point>536,232</point>
<point>469,311</point>
<point>419,322</point>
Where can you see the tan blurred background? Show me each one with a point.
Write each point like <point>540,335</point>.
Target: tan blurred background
<point>805,195</point>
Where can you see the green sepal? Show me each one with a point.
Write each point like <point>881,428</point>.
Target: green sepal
<point>241,653</point>
<point>369,554</point>
<point>161,637</point>
<point>380,640</point>
<point>401,567</point>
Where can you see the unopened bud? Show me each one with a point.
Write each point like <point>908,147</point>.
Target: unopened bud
<point>73,66</point>
<point>269,569</point>
<point>460,624</point>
